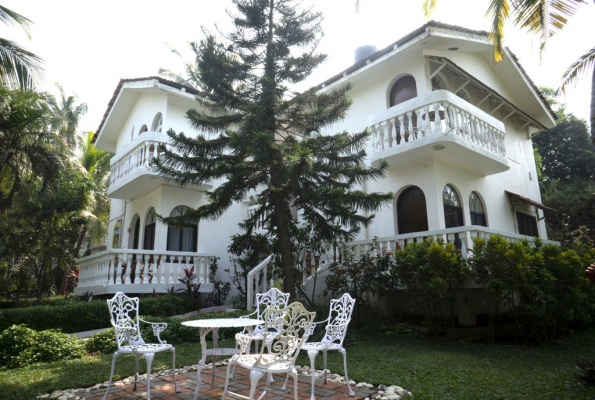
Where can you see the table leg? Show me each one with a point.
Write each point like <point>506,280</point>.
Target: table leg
<point>214,357</point>
<point>203,358</point>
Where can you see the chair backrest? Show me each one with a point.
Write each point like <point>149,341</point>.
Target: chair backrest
<point>339,318</point>
<point>286,329</point>
<point>273,298</point>
<point>124,318</point>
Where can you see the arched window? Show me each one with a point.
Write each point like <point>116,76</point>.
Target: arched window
<point>438,83</point>
<point>181,238</point>
<point>150,224</point>
<point>411,211</point>
<point>453,210</point>
<point>403,89</point>
<point>157,123</point>
<point>142,129</point>
<point>478,215</point>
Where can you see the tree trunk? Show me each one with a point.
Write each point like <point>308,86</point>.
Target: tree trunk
<point>593,106</point>
<point>283,236</point>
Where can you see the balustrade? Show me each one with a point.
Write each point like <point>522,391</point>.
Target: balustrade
<point>438,112</point>
<point>141,267</point>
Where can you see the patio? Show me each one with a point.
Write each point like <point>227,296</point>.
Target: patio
<point>162,387</point>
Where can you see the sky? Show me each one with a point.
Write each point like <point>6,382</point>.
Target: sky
<point>88,46</point>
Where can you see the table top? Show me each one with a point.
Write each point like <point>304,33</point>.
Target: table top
<point>223,323</point>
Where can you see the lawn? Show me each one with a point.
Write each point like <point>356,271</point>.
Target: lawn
<point>431,368</point>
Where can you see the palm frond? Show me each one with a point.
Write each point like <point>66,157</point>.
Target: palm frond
<point>499,11</point>
<point>18,67</point>
<point>429,7</point>
<point>584,62</point>
<point>8,16</point>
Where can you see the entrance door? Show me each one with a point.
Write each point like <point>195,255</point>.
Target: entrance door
<point>412,214</point>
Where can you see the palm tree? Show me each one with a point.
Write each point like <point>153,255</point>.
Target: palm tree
<point>96,165</point>
<point>584,63</point>
<point>26,142</point>
<point>67,116</point>
<point>19,68</point>
<point>191,79</point>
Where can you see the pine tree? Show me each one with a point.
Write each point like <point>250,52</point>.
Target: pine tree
<point>258,135</point>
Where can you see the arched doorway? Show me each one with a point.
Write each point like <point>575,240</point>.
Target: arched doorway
<point>402,90</point>
<point>412,215</point>
<point>134,235</point>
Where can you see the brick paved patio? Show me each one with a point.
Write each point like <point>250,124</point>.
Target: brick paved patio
<point>163,388</point>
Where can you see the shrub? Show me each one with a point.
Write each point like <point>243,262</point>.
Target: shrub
<point>21,346</point>
<point>77,316</point>
<point>102,342</point>
<point>433,273</point>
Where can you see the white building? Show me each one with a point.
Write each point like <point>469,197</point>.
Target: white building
<point>454,126</point>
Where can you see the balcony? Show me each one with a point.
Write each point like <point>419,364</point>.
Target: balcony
<point>132,173</point>
<point>442,125</point>
<point>140,271</point>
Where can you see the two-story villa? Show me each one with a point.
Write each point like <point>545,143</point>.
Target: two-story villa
<point>454,126</point>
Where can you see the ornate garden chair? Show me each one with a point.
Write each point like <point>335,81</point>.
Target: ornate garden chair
<point>335,332</point>
<point>285,331</point>
<point>124,318</point>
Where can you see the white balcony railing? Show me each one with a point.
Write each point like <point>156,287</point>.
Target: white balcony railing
<point>261,224</point>
<point>436,113</point>
<point>461,236</point>
<point>142,268</point>
<point>136,157</point>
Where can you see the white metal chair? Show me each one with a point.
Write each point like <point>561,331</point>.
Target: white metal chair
<point>125,320</point>
<point>336,330</point>
<point>285,331</point>
<point>273,298</point>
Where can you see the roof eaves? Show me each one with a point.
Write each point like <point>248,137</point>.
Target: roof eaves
<point>167,82</point>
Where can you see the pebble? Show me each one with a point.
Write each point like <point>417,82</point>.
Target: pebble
<point>384,392</point>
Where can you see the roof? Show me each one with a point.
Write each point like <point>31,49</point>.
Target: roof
<point>110,104</point>
<point>412,35</point>
<point>488,89</point>
<point>528,200</point>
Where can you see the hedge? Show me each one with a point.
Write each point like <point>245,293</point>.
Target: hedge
<point>78,316</point>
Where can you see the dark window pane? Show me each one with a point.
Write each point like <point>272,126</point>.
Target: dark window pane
<point>527,224</point>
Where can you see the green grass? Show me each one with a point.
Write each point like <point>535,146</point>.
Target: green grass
<point>431,368</point>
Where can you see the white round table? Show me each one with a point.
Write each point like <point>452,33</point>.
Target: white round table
<point>208,325</point>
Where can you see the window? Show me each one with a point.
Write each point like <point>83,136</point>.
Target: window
<point>150,224</point>
<point>438,83</point>
<point>478,215</point>
<point>404,89</point>
<point>157,123</point>
<point>463,95</point>
<point>181,238</point>
<point>453,211</point>
<point>527,224</point>
<point>142,129</point>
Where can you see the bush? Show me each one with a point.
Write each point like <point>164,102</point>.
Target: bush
<point>77,316</point>
<point>102,342</point>
<point>433,273</point>
<point>21,346</point>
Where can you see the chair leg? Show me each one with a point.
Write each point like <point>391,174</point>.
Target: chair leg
<point>136,356</point>
<point>254,378</point>
<point>284,388</point>
<point>324,355</point>
<point>109,383</point>
<point>269,380</point>
<point>294,375</point>
<point>342,351</point>
<point>149,359</point>
<point>312,354</point>
<point>227,376</point>
<point>173,364</point>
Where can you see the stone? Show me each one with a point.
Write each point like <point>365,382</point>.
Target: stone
<point>393,397</point>
<point>382,387</point>
<point>62,398</point>
<point>43,396</point>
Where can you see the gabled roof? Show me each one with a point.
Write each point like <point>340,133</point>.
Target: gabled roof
<point>419,31</point>
<point>110,104</point>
